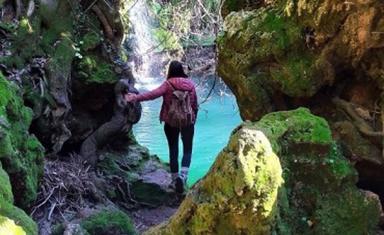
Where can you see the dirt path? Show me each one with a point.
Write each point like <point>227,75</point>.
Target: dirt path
<point>147,217</point>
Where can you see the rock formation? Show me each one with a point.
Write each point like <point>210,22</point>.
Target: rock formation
<point>21,160</point>
<point>325,55</point>
<point>281,175</point>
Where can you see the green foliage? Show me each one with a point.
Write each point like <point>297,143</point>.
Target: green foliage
<point>109,222</point>
<point>96,70</point>
<point>184,23</point>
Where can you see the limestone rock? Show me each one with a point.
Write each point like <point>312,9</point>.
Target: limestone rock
<point>309,189</point>
<point>295,48</point>
<point>145,174</point>
<point>238,195</point>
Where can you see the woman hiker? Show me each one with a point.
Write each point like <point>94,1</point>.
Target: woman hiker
<point>178,112</point>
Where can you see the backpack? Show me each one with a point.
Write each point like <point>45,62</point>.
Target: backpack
<point>180,110</point>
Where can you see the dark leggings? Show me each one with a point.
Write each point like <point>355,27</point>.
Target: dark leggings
<point>172,134</point>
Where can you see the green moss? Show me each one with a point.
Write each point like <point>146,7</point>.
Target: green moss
<point>299,125</point>
<point>347,212</point>
<point>296,76</point>
<point>5,187</point>
<point>109,222</point>
<point>8,226</point>
<point>95,70</point>
<point>318,178</point>
<point>90,41</point>
<point>19,217</point>
<point>63,54</point>
<point>27,31</point>
<point>20,153</point>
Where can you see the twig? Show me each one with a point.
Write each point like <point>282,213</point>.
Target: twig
<point>51,211</point>
<point>90,6</point>
<point>133,5</point>
<point>45,201</point>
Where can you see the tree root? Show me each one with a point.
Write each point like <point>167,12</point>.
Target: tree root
<point>360,123</point>
<point>19,8</point>
<point>31,8</point>
<point>382,119</point>
<point>104,21</point>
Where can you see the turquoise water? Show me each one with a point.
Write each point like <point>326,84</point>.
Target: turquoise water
<point>216,119</point>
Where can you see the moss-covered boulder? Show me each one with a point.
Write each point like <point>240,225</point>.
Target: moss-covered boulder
<point>21,162</point>
<point>9,227</point>
<point>21,154</point>
<point>239,195</point>
<point>108,223</point>
<point>147,177</point>
<point>319,196</point>
<point>287,48</point>
<point>309,189</point>
<point>13,221</point>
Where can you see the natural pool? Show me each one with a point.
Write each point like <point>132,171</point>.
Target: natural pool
<point>216,119</point>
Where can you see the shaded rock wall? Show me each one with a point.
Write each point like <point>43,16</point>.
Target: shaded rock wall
<point>308,189</point>
<point>68,68</point>
<point>59,61</point>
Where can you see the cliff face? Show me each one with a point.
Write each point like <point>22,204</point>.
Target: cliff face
<point>59,61</point>
<point>281,175</point>
<point>324,55</point>
<point>63,53</point>
<point>292,49</point>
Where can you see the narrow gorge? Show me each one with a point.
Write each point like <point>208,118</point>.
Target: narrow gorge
<point>288,138</point>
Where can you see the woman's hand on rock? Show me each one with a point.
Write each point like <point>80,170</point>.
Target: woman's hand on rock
<point>130,97</point>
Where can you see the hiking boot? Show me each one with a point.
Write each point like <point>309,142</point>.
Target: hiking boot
<point>179,184</point>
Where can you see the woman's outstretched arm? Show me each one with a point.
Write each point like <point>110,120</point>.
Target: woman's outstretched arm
<point>150,95</point>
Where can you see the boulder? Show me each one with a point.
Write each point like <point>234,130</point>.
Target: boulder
<point>146,175</point>
<point>308,189</point>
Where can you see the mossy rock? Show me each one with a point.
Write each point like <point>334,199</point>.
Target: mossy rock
<point>148,178</point>
<point>108,223</point>
<point>21,154</point>
<point>9,227</point>
<point>309,189</point>
<point>90,41</point>
<point>319,180</point>
<point>12,219</point>
<point>249,42</point>
<point>239,194</point>
<point>5,187</point>
<point>19,217</point>
<point>295,48</point>
<point>93,69</point>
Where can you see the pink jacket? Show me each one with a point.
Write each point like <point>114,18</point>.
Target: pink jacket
<point>166,90</point>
